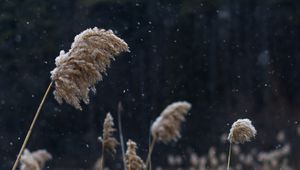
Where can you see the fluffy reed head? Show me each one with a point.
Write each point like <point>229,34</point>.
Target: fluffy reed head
<point>167,126</point>
<point>78,70</point>
<point>241,131</point>
<point>35,160</point>
<point>108,141</point>
<point>132,160</point>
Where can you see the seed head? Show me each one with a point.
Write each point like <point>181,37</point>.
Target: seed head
<point>241,131</point>
<point>167,126</point>
<point>132,160</point>
<point>109,142</point>
<point>78,70</point>
<point>35,160</point>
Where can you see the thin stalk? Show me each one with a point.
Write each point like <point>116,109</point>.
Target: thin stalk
<point>102,157</point>
<point>120,109</point>
<point>150,162</point>
<point>229,155</point>
<point>150,152</point>
<point>31,126</point>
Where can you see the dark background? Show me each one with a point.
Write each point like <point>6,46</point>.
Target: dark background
<point>231,59</point>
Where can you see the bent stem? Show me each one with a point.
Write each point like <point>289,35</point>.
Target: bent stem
<point>31,126</point>
<point>229,155</point>
<point>150,152</point>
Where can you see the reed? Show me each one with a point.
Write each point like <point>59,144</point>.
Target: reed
<point>166,127</point>
<point>77,71</point>
<point>132,160</point>
<point>35,160</point>
<point>241,131</point>
<point>109,143</point>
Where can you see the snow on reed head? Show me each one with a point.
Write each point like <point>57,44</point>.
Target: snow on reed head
<point>241,131</point>
<point>35,160</point>
<point>78,70</point>
<point>109,142</point>
<point>132,160</point>
<point>167,126</point>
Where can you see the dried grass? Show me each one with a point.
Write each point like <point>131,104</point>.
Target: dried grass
<point>109,142</point>
<point>241,131</point>
<point>35,160</point>
<point>167,126</point>
<point>78,70</point>
<point>132,160</point>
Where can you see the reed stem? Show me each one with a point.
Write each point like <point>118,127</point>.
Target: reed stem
<point>229,155</point>
<point>150,162</point>
<point>150,152</point>
<point>102,157</point>
<point>120,109</point>
<point>31,126</point>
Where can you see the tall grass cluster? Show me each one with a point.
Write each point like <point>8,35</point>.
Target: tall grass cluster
<point>79,70</point>
<point>251,158</point>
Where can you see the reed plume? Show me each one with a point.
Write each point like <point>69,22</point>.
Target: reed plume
<point>241,131</point>
<point>78,70</point>
<point>35,160</point>
<point>109,143</point>
<point>132,160</point>
<point>166,127</point>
